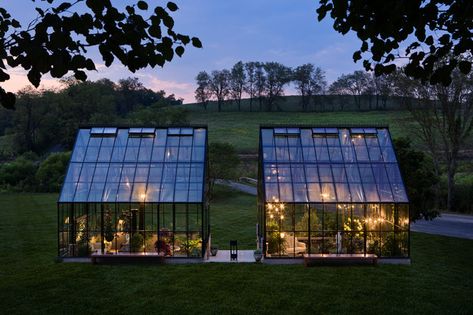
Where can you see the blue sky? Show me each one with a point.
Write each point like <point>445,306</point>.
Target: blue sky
<point>259,30</point>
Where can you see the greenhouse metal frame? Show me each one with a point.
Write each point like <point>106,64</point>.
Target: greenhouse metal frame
<point>330,190</point>
<point>140,191</point>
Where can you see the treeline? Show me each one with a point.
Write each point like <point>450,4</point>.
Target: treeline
<point>47,121</point>
<point>264,83</point>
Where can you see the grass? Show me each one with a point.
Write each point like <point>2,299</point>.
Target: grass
<point>438,281</point>
<point>242,128</point>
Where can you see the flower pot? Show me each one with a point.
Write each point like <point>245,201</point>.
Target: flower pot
<point>213,251</point>
<point>258,256</point>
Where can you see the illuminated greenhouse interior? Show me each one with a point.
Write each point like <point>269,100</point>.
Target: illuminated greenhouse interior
<point>330,190</point>
<point>135,191</point>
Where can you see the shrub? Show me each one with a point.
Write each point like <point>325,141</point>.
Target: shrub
<point>18,175</point>
<point>419,178</point>
<point>52,171</point>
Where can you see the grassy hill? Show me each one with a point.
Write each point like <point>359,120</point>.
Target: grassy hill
<point>241,128</point>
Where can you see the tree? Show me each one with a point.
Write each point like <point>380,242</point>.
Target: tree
<point>260,84</point>
<point>224,161</point>
<point>220,86</point>
<point>58,39</point>
<point>250,84</point>
<point>420,179</point>
<point>277,76</point>
<point>159,115</point>
<point>309,81</point>
<point>383,87</point>
<point>445,118</point>
<point>318,84</point>
<point>237,82</point>
<point>28,120</point>
<point>302,76</point>
<point>431,31</point>
<point>354,84</point>
<point>203,92</point>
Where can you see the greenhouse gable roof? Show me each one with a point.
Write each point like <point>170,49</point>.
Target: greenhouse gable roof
<point>114,164</point>
<point>329,164</point>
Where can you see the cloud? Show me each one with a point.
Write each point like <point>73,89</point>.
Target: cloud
<point>19,80</point>
<point>183,90</point>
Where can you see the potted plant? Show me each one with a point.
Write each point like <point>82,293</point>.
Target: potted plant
<point>258,254</point>
<point>214,250</point>
<point>136,242</point>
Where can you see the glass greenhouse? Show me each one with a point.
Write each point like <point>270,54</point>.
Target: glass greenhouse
<point>135,190</point>
<point>330,190</point>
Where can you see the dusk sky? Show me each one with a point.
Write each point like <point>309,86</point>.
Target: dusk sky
<point>249,30</point>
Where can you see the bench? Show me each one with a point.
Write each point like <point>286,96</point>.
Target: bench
<point>339,259</point>
<point>126,258</point>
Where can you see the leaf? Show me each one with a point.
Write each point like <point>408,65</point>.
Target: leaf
<point>172,6</point>
<point>5,76</point>
<point>80,75</point>
<point>40,12</point>
<point>464,66</point>
<point>142,5</point>
<point>168,21</point>
<point>15,23</point>
<point>90,65</point>
<point>62,7</point>
<point>7,99</point>
<point>179,50</point>
<point>429,40</point>
<point>196,42</point>
<point>357,56</point>
<point>34,76</point>
<point>155,31</point>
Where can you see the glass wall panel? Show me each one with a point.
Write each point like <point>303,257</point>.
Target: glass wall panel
<point>314,192</point>
<point>300,192</point>
<point>357,194</point>
<point>328,192</point>
<point>343,192</point>
<point>285,192</point>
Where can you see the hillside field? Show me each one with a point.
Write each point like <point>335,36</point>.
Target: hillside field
<point>241,128</point>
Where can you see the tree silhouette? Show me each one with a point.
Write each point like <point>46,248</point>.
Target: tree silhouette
<point>58,39</point>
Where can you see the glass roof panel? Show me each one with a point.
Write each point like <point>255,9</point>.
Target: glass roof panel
<point>109,131</point>
<point>123,165</point>
<point>96,131</point>
<point>330,165</point>
<point>83,137</point>
<point>67,193</point>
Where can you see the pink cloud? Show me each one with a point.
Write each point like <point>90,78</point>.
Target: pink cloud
<point>19,80</point>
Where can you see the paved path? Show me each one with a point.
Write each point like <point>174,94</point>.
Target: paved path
<point>238,186</point>
<point>244,256</point>
<point>455,225</point>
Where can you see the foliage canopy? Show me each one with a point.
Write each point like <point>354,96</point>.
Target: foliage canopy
<point>428,31</point>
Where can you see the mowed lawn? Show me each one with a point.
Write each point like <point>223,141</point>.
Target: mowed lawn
<point>242,128</point>
<point>438,281</point>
